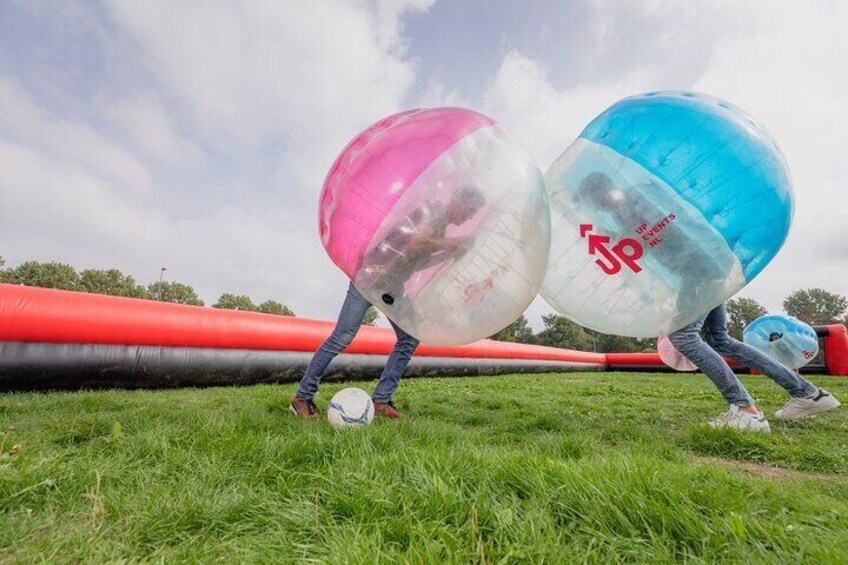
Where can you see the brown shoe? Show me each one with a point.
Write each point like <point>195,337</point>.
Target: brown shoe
<point>304,408</point>
<point>387,410</point>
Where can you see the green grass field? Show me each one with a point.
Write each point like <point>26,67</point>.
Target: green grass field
<point>579,467</point>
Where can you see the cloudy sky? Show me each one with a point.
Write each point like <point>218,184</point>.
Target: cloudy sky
<point>195,134</point>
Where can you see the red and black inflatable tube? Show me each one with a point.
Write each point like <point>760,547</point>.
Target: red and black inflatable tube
<point>61,339</point>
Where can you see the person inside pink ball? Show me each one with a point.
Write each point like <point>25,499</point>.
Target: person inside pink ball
<point>418,242</point>
<point>415,243</point>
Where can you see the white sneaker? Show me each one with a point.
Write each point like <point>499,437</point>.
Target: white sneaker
<point>798,408</point>
<point>736,418</point>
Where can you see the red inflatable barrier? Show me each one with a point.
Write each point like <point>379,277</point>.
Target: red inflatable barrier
<point>634,360</point>
<point>836,350</point>
<point>29,314</point>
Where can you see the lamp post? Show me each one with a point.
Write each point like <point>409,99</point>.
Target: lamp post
<point>159,290</point>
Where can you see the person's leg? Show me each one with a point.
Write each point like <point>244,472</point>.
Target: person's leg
<point>689,342</point>
<point>395,366</point>
<point>350,320</point>
<point>718,336</point>
<point>742,413</point>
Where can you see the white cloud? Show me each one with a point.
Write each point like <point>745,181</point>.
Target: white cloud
<point>151,130</point>
<point>256,69</point>
<point>56,209</point>
<point>68,140</point>
<point>388,15</point>
<point>544,119</point>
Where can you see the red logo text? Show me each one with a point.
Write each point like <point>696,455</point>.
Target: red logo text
<point>625,251</point>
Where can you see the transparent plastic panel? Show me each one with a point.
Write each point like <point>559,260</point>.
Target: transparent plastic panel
<point>629,256</point>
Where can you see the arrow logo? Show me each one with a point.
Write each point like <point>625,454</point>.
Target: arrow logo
<point>627,250</point>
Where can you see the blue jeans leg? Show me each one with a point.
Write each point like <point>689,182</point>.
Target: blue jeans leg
<point>716,334</point>
<point>398,360</point>
<point>350,320</point>
<point>689,342</point>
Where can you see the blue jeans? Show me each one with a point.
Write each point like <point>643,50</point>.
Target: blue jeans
<point>350,320</point>
<point>706,340</point>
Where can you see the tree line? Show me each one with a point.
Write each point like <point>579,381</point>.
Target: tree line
<point>815,306</point>
<point>113,282</point>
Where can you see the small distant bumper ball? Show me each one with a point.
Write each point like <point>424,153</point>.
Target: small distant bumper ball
<point>786,339</point>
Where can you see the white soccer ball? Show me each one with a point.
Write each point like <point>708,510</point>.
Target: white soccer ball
<point>350,408</point>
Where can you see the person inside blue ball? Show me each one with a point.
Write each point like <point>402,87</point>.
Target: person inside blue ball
<point>688,268</point>
<point>706,343</point>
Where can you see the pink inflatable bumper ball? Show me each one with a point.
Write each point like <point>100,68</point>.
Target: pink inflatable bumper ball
<point>672,357</point>
<point>440,218</point>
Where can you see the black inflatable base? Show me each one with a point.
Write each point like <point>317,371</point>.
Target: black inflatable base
<point>58,366</point>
